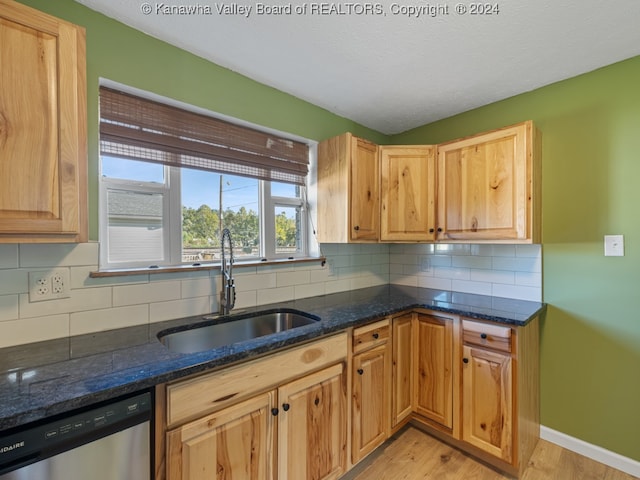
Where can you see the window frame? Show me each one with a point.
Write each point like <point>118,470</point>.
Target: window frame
<point>172,220</point>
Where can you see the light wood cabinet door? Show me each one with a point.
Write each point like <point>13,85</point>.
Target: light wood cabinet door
<point>408,193</point>
<point>401,370</point>
<point>236,443</point>
<point>370,401</point>
<point>312,426</point>
<point>434,369</point>
<point>348,189</point>
<point>43,152</point>
<point>489,186</point>
<point>488,401</point>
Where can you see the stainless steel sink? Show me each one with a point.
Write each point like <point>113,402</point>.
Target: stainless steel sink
<point>220,331</point>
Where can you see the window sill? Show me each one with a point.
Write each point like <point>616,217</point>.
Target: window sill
<point>121,272</point>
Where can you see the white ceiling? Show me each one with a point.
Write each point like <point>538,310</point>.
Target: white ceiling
<point>391,72</point>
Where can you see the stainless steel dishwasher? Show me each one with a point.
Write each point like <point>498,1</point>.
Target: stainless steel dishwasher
<point>106,442</point>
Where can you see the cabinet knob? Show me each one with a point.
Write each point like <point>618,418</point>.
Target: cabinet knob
<point>360,371</point>
<point>376,335</point>
<point>356,228</point>
<point>483,336</point>
<point>274,411</point>
<point>285,407</point>
<point>431,230</point>
<point>465,360</point>
<point>439,229</point>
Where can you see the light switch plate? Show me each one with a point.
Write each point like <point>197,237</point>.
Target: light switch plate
<point>614,246</point>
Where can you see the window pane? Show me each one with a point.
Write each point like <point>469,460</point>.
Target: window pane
<point>240,202</point>
<point>285,190</point>
<point>135,227</point>
<point>201,215</point>
<point>287,229</point>
<point>113,167</point>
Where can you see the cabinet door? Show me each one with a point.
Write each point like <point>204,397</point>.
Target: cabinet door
<point>42,127</point>
<point>312,432</point>
<point>370,401</point>
<point>434,372</point>
<point>364,191</point>
<point>485,186</point>
<point>487,401</point>
<point>349,190</point>
<point>408,192</point>
<point>401,370</point>
<point>235,443</point>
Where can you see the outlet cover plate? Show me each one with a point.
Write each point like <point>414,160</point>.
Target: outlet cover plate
<point>49,284</point>
<point>614,245</point>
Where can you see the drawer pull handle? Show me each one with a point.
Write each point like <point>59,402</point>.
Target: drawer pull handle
<point>285,406</point>
<point>376,335</point>
<point>274,411</point>
<point>465,360</point>
<point>483,336</point>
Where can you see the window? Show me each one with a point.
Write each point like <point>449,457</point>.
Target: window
<point>160,205</point>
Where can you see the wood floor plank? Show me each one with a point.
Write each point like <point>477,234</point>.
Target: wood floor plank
<point>413,455</point>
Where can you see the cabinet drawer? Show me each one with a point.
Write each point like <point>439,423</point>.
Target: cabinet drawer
<point>487,335</point>
<point>188,399</point>
<point>370,335</point>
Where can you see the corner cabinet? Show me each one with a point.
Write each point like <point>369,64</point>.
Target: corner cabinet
<point>43,151</point>
<point>348,184</point>
<point>489,187</point>
<point>408,193</point>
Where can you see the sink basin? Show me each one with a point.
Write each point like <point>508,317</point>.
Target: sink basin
<point>220,331</point>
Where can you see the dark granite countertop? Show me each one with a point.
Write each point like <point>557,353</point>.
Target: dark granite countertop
<point>47,378</point>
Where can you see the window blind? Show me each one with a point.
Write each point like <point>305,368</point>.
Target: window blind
<point>140,129</point>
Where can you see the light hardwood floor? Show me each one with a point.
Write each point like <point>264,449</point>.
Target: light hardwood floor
<point>412,455</point>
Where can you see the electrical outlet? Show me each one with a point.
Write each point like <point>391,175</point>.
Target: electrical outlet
<point>49,284</point>
<point>425,264</point>
<point>331,267</point>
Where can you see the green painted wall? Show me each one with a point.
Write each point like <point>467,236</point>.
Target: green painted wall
<point>591,170</point>
<point>122,54</point>
<point>590,350</point>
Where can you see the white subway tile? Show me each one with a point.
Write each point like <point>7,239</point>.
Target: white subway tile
<point>14,281</point>
<point>58,254</point>
<point>533,250</point>
<point>8,256</point>
<point>80,300</point>
<point>256,282</point>
<point>471,261</point>
<point>529,279</point>
<point>285,279</point>
<point>516,291</point>
<point>360,260</point>
<point>146,293</point>
<point>446,272</point>
<point>503,250</point>
<point>272,295</point>
<point>434,282</point>
<point>440,260</point>
<point>481,249</point>
<point>80,278</point>
<point>452,249</point>
<point>492,276</point>
<point>244,299</point>
<point>28,330</point>
<point>107,319</point>
<point>198,287</point>
<point>308,290</point>
<point>337,286</point>
<point>8,307</point>
<point>179,308</point>
<point>319,276</point>
<point>408,280</point>
<point>480,288</point>
<point>517,264</point>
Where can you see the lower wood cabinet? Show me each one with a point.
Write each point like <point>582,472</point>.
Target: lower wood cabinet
<point>433,373</point>
<point>370,392</point>
<point>402,370</point>
<point>234,443</point>
<point>312,434</point>
<point>488,401</point>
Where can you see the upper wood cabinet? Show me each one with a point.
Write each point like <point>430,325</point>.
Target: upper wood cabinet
<point>348,189</point>
<point>408,193</point>
<point>43,151</point>
<point>489,187</point>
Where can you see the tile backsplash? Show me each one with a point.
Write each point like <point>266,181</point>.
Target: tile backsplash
<point>97,304</point>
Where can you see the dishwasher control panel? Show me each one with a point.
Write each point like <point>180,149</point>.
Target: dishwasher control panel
<point>42,439</point>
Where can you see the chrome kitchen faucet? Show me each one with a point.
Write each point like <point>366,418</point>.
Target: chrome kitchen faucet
<point>228,293</point>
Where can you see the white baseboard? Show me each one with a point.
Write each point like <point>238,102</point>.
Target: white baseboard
<point>599,454</point>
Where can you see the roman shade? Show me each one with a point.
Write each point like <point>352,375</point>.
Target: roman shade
<point>140,129</point>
